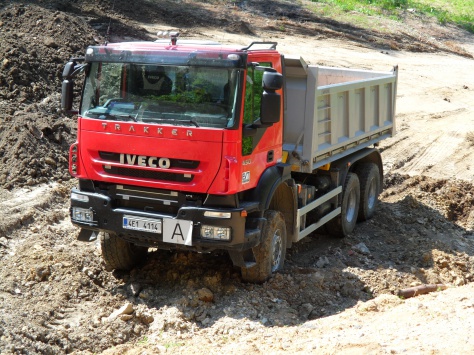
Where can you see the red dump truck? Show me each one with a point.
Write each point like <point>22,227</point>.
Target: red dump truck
<point>198,146</point>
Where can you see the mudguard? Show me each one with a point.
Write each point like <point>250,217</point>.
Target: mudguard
<point>276,190</point>
<point>268,183</point>
<point>348,163</point>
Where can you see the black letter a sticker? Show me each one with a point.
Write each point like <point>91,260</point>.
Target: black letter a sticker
<point>177,231</point>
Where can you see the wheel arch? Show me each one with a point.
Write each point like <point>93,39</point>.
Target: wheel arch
<point>375,158</point>
<point>276,191</point>
<point>285,200</point>
<point>351,162</point>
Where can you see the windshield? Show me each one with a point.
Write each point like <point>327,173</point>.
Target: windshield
<point>175,95</point>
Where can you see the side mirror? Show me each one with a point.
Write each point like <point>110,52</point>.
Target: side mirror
<point>272,81</point>
<point>67,94</point>
<point>270,109</point>
<point>68,70</point>
<point>67,89</point>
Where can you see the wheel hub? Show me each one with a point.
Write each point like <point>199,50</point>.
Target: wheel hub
<point>372,195</point>
<point>277,246</point>
<point>351,206</point>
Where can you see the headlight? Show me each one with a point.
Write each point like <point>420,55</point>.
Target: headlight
<point>216,233</point>
<point>82,215</point>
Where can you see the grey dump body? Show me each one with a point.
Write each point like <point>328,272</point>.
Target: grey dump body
<point>334,112</point>
<point>331,114</point>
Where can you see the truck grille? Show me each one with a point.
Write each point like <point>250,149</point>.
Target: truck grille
<point>146,199</point>
<point>145,174</point>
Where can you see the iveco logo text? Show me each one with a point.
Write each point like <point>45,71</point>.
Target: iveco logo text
<point>142,160</point>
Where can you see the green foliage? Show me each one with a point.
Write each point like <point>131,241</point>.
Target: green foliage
<point>196,96</point>
<point>172,345</point>
<point>247,145</point>
<point>110,81</point>
<point>143,340</point>
<point>389,4</point>
<point>253,95</point>
<point>199,91</point>
<point>458,12</point>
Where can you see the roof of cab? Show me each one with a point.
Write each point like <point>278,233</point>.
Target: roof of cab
<point>191,45</point>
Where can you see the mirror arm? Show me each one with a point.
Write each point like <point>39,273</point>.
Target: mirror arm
<point>77,70</point>
<point>250,128</point>
<point>248,131</point>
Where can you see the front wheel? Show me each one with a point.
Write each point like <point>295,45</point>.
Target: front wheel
<point>345,223</point>
<point>270,253</point>
<point>118,254</point>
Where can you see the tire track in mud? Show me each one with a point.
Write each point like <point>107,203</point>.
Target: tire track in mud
<point>435,156</point>
<point>20,207</point>
<point>30,208</point>
<point>429,151</point>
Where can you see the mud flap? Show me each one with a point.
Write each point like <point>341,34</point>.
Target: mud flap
<point>243,259</point>
<point>86,235</point>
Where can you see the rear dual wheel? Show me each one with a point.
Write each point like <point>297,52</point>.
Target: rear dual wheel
<point>345,223</point>
<point>359,199</point>
<point>370,186</point>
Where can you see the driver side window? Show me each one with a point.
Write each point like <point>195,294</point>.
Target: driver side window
<point>253,98</point>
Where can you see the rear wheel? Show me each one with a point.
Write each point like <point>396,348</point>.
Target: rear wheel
<point>270,253</point>
<point>345,223</point>
<point>119,254</point>
<point>369,177</point>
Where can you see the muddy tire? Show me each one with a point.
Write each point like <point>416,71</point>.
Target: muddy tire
<point>119,254</point>
<point>345,223</point>
<point>369,177</point>
<point>270,253</point>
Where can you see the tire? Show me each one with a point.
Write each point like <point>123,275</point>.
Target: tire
<point>270,253</point>
<point>118,254</point>
<point>369,177</point>
<point>344,224</point>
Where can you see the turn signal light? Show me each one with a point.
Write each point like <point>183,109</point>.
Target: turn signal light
<point>74,159</point>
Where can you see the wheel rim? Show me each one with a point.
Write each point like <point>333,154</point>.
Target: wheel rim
<point>277,245</point>
<point>351,206</point>
<point>372,195</point>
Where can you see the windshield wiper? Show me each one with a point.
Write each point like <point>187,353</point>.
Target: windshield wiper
<point>133,118</point>
<point>191,121</point>
<point>116,117</point>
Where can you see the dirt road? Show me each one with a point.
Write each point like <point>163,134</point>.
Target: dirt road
<point>333,296</point>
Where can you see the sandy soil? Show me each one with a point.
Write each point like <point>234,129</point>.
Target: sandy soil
<point>333,296</point>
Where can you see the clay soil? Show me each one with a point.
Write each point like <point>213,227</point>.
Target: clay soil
<point>333,296</point>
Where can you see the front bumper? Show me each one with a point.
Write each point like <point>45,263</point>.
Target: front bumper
<point>244,232</point>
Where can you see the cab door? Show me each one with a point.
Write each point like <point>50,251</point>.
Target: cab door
<point>262,146</point>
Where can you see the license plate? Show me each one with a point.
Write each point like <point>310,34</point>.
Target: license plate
<point>142,224</point>
<point>178,231</point>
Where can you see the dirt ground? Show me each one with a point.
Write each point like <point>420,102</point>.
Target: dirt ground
<point>333,296</point>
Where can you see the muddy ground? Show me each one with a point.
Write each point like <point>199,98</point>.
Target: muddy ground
<point>333,296</point>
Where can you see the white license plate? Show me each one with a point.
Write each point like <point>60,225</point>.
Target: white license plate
<point>142,224</point>
<point>178,231</point>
